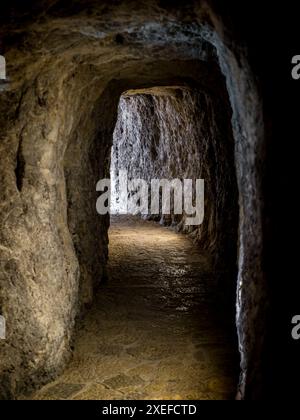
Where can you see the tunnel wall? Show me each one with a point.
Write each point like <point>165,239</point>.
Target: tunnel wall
<point>58,67</point>
<point>253,298</point>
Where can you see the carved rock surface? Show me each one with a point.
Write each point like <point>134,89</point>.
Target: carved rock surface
<point>67,66</point>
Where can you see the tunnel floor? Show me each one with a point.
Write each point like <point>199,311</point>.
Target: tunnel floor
<point>156,330</point>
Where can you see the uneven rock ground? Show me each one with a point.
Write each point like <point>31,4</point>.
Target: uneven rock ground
<point>156,330</point>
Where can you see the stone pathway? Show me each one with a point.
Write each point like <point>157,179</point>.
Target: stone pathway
<point>155,330</point>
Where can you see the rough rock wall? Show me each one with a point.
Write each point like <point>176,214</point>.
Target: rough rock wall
<point>181,133</point>
<point>67,66</point>
<point>248,128</point>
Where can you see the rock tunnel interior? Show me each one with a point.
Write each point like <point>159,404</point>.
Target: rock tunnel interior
<point>184,132</point>
<point>61,112</point>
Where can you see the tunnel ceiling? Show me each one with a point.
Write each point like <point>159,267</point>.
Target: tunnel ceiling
<point>105,37</point>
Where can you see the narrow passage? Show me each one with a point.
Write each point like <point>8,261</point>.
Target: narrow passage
<point>155,330</point>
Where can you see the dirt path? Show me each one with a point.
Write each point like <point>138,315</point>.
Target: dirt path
<point>155,330</point>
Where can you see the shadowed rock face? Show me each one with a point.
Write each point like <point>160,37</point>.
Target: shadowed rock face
<point>67,66</point>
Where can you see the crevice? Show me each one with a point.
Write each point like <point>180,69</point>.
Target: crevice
<point>20,167</point>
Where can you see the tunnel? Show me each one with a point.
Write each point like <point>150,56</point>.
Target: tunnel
<point>95,304</point>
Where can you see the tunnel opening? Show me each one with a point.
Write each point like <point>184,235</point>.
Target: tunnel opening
<point>174,133</point>
<point>168,282</point>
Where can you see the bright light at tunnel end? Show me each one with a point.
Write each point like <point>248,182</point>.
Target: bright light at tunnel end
<point>120,195</point>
